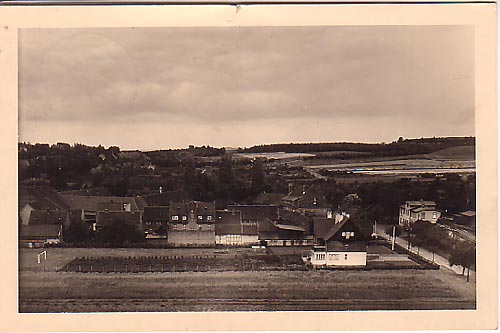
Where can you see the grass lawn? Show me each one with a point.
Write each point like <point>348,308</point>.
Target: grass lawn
<point>52,291</point>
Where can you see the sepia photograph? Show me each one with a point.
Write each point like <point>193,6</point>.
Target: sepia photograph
<point>239,168</point>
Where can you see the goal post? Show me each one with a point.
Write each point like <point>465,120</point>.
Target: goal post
<point>39,255</point>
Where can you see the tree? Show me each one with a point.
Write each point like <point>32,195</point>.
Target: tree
<point>118,233</point>
<point>76,232</point>
<point>465,256</point>
<point>258,177</point>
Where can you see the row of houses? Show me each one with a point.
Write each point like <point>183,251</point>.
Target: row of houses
<point>174,218</point>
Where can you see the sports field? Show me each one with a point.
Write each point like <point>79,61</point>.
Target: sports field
<point>51,291</point>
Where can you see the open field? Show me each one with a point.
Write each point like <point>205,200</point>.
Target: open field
<point>459,160</point>
<point>241,291</point>
<point>52,291</point>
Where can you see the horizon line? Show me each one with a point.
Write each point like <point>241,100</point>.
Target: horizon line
<point>239,147</point>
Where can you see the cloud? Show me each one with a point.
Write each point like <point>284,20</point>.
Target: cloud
<point>292,78</point>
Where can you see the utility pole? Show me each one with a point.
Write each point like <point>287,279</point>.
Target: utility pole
<point>393,237</point>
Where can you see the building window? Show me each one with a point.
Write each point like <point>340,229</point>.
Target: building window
<point>347,234</point>
<point>320,256</point>
<point>174,226</point>
<point>175,217</point>
<point>184,218</point>
<point>333,256</point>
<point>200,217</point>
<point>345,256</point>
<point>199,226</point>
<point>209,218</point>
<point>434,215</point>
<point>183,227</point>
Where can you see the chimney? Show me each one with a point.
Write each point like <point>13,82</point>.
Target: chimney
<point>161,188</point>
<point>303,189</point>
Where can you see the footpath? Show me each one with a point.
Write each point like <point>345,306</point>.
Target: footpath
<point>441,261</point>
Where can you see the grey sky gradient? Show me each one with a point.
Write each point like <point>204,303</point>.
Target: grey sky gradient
<point>171,87</point>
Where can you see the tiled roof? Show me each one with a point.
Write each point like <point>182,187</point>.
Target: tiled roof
<point>322,226</point>
<point>468,213</point>
<point>164,198</point>
<point>41,197</point>
<point>335,228</point>
<point>111,206</point>
<point>308,197</point>
<point>420,203</point>
<point>183,208</point>
<point>423,209</point>
<point>100,191</point>
<point>36,231</point>
<point>155,214</point>
<point>290,227</point>
<point>127,217</point>
<point>256,212</point>
<point>91,203</point>
<point>228,223</point>
<point>57,217</point>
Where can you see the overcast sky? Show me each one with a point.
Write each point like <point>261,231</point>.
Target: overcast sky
<point>172,87</point>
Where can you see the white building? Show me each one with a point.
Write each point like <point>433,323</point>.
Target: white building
<point>342,245</point>
<point>413,211</point>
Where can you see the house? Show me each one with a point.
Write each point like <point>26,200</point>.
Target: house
<point>413,211</point>
<point>252,215</point>
<point>38,198</point>
<point>467,218</point>
<point>40,235</point>
<point>49,217</point>
<point>155,220</point>
<point>307,200</point>
<point>278,233</point>
<point>229,229</point>
<point>191,224</point>
<point>340,244</point>
<point>89,206</point>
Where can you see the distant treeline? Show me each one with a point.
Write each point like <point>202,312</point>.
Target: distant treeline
<point>399,147</point>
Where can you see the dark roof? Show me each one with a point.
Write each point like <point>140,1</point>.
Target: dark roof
<point>92,203</point>
<point>290,227</point>
<point>164,198</point>
<point>271,230</point>
<point>127,217</point>
<point>250,230</point>
<point>335,228</point>
<point>321,226</point>
<point>41,197</point>
<point>468,213</point>
<point>42,230</point>
<point>100,191</point>
<point>155,213</point>
<point>256,212</point>
<point>140,202</point>
<point>228,223</point>
<point>306,197</point>
<point>57,217</point>
<point>265,198</point>
<point>361,232</point>
<point>200,207</point>
<point>423,209</point>
<point>111,206</point>
<point>292,217</point>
